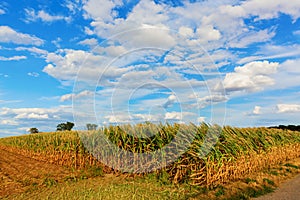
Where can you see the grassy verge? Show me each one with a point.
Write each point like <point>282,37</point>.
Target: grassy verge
<point>111,187</point>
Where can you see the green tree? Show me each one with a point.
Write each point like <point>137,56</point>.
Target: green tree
<point>33,130</point>
<point>65,126</point>
<point>91,126</point>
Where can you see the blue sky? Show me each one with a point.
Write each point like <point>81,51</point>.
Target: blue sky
<point>110,62</point>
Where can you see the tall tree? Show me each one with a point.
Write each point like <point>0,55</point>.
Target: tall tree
<point>65,126</point>
<point>91,126</point>
<point>33,130</point>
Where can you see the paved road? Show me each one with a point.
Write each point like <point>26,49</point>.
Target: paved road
<point>287,191</point>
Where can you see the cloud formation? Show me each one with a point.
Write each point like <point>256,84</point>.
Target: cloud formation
<point>251,77</point>
<point>9,35</point>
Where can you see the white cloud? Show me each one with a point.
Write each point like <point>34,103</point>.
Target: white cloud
<point>68,65</point>
<point>256,110</point>
<point>12,58</point>
<point>201,119</point>
<point>254,76</point>
<point>2,12</point>
<point>113,51</point>
<point>146,35</point>
<point>73,6</point>
<point>65,65</point>
<point>33,50</point>
<point>270,9</point>
<point>186,31</point>
<point>208,33</point>
<point>288,74</point>
<point>9,35</point>
<point>32,116</point>
<point>82,94</point>
<point>205,101</point>
<point>33,74</point>
<point>57,42</point>
<point>100,10</point>
<point>178,116</point>
<point>252,37</point>
<point>291,66</point>
<point>44,119</point>
<point>118,118</point>
<point>9,122</point>
<point>296,32</point>
<point>92,42</point>
<point>288,108</point>
<point>274,51</point>
<point>32,16</point>
<point>173,116</point>
<point>170,101</point>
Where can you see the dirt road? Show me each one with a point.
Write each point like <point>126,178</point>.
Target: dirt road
<point>18,173</point>
<point>289,190</point>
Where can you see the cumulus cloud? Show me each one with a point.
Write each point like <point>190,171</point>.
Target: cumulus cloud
<point>32,16</point>
<point>8,35</point>
<point>290,66</point>
<point>100,10</point>
<point>288,108</point>
<point>256,110</point>
<point>270,9</point>
<point>178,116</point>
<point>208,33</point>
<point>89,42</point>
<point>173,116</point>
<point>44,118</point>
<point>68,65</point>
<point>253,76</point>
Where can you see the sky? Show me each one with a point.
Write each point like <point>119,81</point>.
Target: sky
<point>228,62</point>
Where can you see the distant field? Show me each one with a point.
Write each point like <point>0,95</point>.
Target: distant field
<point>236,154</point>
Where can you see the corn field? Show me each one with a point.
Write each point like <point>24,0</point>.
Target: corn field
<point>201,155</point>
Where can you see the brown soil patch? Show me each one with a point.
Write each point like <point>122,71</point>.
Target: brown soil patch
<point>19,173</point>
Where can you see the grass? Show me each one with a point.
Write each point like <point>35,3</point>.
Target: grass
<point>109,188</point>
<point>155,186</point>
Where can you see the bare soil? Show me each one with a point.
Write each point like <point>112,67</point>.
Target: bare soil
<point>19,173</point>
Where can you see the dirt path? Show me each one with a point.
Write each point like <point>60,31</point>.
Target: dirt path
<point>289,190</point>
<point>18,173</point>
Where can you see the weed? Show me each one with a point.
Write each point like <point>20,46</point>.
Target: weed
<point>292,166</point>
<point>49,182</point>
<point>270,182</point>
<point>249,180</point>
<point>274,173</point>
<point>220,191</point>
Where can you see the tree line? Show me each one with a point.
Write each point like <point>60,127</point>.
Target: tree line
<point>68,126</point>
<point>287,127</point>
